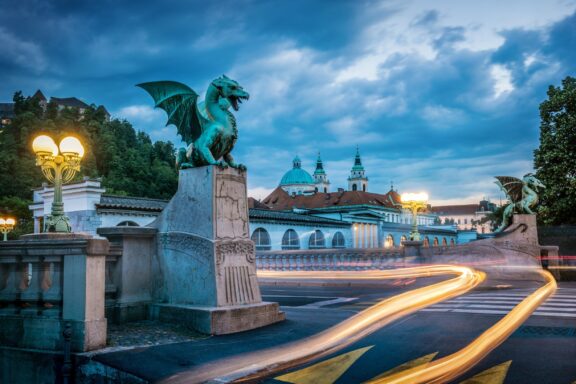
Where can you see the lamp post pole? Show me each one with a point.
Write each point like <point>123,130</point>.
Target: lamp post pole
<point>6,225</point>
<point>414,202</point>
<point>59,167</point>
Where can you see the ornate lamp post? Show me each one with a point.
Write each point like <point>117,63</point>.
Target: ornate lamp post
<point>414,202</point>
<point>59,167</point>
<point>6,225</point>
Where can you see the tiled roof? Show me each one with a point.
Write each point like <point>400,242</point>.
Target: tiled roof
<point>280,200</point>
<point>157,205</point>
<point>269,215</point>
<point>136,203</point>
<point>69,102</point>
<point>447,210</point>
<point>253,203</point>
<point>39,96</point>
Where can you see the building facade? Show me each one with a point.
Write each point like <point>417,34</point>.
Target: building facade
<point>467,217</point>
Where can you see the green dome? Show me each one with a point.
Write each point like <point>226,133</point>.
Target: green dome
<point>296,175</point>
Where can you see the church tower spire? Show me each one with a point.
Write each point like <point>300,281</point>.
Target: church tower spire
<point>320,178</point>
<point>357,181</point>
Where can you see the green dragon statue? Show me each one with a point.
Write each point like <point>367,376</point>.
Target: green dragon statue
<point>208,128</point>
<point>523,195</point>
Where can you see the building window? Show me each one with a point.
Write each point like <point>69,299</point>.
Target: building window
<point>403,238</point>
<point>338,240</point>
<point>325,190</point>
<point>452,242</point>
<point>364,187</point>
<point>354,187</point>
<point>261,239</point>
<point>127,224</point>
<point>290,240</point>
<point>436,242</point>
<point>389,243</point>
<point>317,240</point>
<point>444,242</point>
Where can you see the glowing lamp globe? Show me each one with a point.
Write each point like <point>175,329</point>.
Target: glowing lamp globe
<point>71,145</point>
<point>419,197</point>
<point>44,144</point>
<point>2,221</point>
<point>10,222</point>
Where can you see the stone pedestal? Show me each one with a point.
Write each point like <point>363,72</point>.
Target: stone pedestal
<point>205,264</point>
<point>129,272</point>
<point>412,248</point>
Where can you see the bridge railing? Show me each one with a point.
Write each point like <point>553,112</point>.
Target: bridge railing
<point>347,259</point>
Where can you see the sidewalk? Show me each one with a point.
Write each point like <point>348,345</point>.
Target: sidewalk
<point>152,363</point>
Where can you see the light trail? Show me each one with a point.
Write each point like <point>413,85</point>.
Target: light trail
<point>450,367</point>
<point>259,364</point>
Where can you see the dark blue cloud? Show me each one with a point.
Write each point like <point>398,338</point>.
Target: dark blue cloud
<point>430,113</point>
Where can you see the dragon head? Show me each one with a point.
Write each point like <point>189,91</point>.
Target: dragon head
<point>530,179</point>
<point>230,91</point>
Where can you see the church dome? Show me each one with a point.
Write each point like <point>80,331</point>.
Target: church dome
<point>296,175</point>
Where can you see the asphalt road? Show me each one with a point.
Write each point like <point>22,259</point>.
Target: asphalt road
<point>542,351</point>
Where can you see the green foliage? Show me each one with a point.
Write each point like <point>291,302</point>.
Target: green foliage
<point>127,161</point>
<point>17,208</point>
<point>555,160</point>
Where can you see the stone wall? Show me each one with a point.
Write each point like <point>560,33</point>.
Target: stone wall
<point>563,236</point>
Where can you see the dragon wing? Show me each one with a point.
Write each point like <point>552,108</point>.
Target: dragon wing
<point>180,103</point>
<point>512,186</point>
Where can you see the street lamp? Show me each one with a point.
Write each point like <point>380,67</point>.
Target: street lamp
<point>414,202</point>
<point>59,167</point>
<point>6,225</point>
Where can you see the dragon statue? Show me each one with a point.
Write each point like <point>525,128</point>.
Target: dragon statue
<point>523,195</point>
<point>208,128</point>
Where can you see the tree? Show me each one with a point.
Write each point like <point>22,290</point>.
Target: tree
<point>555,160</point>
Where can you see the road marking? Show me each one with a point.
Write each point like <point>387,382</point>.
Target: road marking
<point>325,372</point>
<point>324,303</point>
<point>494,375</point>
<point>562,305</point>
<point>408,365</point>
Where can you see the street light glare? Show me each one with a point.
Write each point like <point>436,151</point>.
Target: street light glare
<point>2,221</point>
<point>422,196</point>
<point>44,144</point>
<point>10,221</point>
<point>71,144</point>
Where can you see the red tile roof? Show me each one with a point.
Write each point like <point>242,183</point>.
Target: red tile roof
<point>447,210</point>
<point>281,200</point>
<point>253,203</point>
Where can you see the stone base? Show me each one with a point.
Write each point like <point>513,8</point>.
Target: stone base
<point>46,333</point>
<point>219,320</point>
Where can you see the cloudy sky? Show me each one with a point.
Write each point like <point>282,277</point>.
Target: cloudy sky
<point>438,95</point>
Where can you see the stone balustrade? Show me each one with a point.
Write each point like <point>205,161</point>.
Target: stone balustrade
<point>48,280</point>
<point>347,259</point>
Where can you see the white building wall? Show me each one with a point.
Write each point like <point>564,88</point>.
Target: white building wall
<point>276,232</point>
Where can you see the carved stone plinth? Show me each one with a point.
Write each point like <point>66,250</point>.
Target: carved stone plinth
<point>205,262</point>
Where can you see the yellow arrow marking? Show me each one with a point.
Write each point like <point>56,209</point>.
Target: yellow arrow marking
<point>410,364</point>
<point>494,375</point>
<point>325,372</point>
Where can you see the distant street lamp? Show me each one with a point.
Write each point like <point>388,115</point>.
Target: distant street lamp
<point>59,167</point>
<point>414,202</point>
<point>6,225</point>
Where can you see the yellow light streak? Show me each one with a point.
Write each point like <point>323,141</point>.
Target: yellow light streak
<point>450,367</point>
<point>263,363</point>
